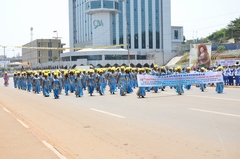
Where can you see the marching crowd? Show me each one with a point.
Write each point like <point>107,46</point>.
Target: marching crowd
<point>122,78</point>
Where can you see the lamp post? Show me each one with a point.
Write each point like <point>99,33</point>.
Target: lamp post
<point>14,53</point>
<point>55,31</point>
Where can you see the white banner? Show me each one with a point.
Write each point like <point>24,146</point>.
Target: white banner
<point>179,79</point>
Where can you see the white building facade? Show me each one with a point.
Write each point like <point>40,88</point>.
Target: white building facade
<point>145,25</point>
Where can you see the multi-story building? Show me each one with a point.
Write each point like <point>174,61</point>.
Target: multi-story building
<point>145,25</point>
<point>42,51</point>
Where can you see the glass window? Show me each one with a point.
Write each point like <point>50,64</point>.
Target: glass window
<point>39,45</point>
<point>39,53</point>
<point>50,59</point>
<point>176,34</point>
<point>89,58</point>
<point>108,4</point>
<point>114,29</point>
<point>121,24</point>
<point>141,57</point>
<point>95,4</point>
<point>119,57</point>
<point>116,5</point>
<point>136,24</point>
<point>150,24</point>
<point>49,53</point>
<point>157,24</point>
<point>128,23</point>
<point>143,24</point>
<point>50,44</point>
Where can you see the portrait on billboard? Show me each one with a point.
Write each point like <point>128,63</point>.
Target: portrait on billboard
<point>200,56</point>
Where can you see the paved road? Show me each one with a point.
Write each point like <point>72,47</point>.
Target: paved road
<point>163,125</point>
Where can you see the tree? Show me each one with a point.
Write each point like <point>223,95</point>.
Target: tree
<point>233,30</point>
<point>218,36</point>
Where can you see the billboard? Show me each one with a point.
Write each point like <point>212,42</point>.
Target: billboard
<point>200,56</point>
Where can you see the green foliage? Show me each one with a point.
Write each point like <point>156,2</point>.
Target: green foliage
<point>218,36</point>
<point>231,31</point>
<point>221,48</point>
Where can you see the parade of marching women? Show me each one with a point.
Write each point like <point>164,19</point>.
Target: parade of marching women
<point>122,80</point>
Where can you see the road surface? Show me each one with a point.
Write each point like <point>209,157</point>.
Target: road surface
<point>199,125</point>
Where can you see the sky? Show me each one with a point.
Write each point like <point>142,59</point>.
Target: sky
<point>198,18</point>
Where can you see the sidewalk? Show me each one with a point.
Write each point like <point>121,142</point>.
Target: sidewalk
<point>17,142</point>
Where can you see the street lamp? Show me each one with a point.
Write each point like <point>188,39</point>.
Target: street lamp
<point>55,31</point>
<point>14,53</point>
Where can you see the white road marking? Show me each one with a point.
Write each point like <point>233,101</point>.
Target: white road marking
<point>229,99</point>
<point>237,100</point>
<point>119,116</point>
<point>23,124</point>
<point>207,111</point>
<point>7,110</point>
<point>54,150</point>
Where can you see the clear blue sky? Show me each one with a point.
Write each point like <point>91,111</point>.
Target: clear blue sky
<point>199,19</point>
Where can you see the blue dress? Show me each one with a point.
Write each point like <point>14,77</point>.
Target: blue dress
<point>122,81</point>
<point>79,87</point>
<point>91,84</point>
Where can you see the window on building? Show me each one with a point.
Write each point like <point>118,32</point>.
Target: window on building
<point>49,59</point>
<point>176,36</point>
<point>107,4</point>
<point>119,57</point>
<point>49,53</point>
<point>95,4</point>
<point>116,5</point>
<point>39,53</point>
<point>39,44</point>
<point>39,60</point>
<point>50,44</point>
<point>141,57</point>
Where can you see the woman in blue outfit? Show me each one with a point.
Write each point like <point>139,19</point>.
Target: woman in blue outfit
<point>122,81</point>
<point>112,81</point>
<point>188,69</point>
<point>90,82</point>
<point>129,80</point>
<point>45,85</point>
<point>19,80</point>
<point>50,77</point>
<point>60,81</point>
<point>37,83</point>
<point>72,81</point>
<point>101,82</point>
<point>220,85</point>
<point>202,86</point>
<point>141,90</point>
<point>24,81</point>
<point>29,81</point>
<point>66,82</point>
<point>155,72</point>
<point>179,87</point>
<point>56,85</point>
<point>78,85</point>
<point>15,79</point>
